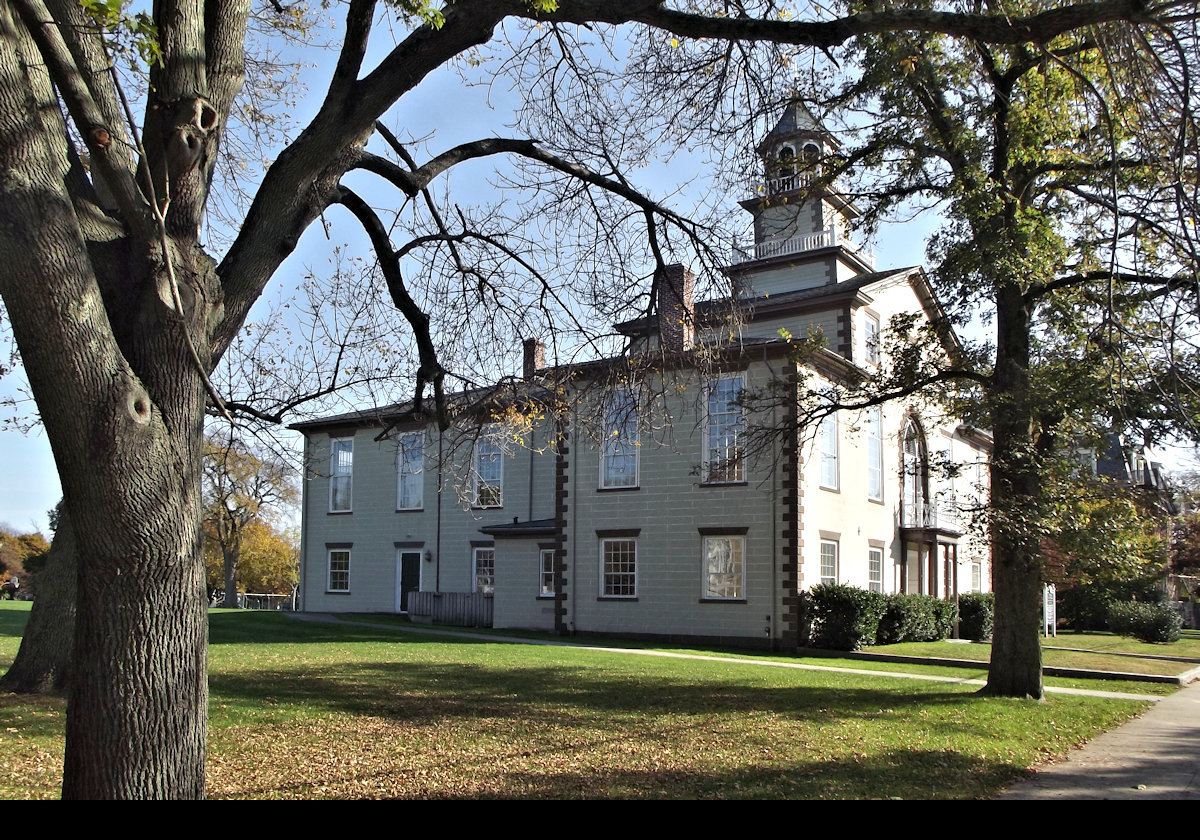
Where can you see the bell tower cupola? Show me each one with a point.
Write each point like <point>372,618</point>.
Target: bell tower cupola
<point>800,218</point>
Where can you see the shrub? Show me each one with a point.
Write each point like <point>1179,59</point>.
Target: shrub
<point>902,622</point>
<point>1085,607</point>
<point>843,617</point>
<point>945,613</point>
<point>976,613</point>
<point>915,618</point>
<point>1148,622</point>
<point>805,610</point>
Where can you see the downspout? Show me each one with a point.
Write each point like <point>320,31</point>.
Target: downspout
<point>573,501</point>
<point>437,560</point>
<point>532,432</point>
<point>304,494</point>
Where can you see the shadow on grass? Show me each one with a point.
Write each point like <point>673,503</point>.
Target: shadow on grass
<point>584,732</point>
<point>902,774</point>
<point>566,732</point>
<point>232,627</point>
<point>14,615</point>
<point>896,774</point>
<point>428,693</point>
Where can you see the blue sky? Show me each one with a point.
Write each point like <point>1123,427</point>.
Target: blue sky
<point>29,486</point>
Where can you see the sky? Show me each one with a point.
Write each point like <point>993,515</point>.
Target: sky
<point>29,487</point>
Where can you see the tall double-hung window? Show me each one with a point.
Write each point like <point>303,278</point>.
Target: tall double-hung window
<point>875,569</point>
<point>618,568</point>
<point>875,454</point>
<point>827,446</point>
<point>341,474</point>
<point>489,471</point>
<point>546,573</point>
<point>724,567</point>
<point>410,472</point>
<point>829,561</point>
<point>485,570</point>
<point>338,579</point>
<point>619,447</point>
<point>871,339</point>
<point>725,430</point>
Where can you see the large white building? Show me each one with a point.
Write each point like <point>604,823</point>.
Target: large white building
<point>676,491</point>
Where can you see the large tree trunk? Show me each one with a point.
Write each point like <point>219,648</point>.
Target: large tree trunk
<point>44,661</point>
<point>1015,521</point>
<point>141,632</point>
<point>122,400</point>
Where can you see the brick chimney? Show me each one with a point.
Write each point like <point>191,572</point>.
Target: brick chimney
<point>535,357</point>
<point>676,313</point>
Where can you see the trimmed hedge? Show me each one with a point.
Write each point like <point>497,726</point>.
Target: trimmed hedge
<point>1148,622</point>
<point>976,611</point>
<point>916,618</point>
<point>843,617</point>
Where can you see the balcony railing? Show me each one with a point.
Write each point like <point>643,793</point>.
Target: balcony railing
<point>786,183</point>
<point>941,515</point>
<point>827,238</point>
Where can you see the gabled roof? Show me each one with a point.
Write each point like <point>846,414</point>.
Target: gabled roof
<point>857,288</point>
<point>402,414</point>
<point>710,311</point>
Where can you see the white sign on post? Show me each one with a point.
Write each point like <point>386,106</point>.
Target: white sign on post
<point>1049,610</point>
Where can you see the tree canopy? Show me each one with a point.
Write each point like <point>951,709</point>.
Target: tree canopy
<point>121,311</point>
<point>1066,171</point>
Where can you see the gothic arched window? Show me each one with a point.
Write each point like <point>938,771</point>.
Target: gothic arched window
<point>914,476</point>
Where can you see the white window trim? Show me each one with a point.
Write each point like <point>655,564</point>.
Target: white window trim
<point>485,584</point>
<point>875,460</point>
<point>487,436</point>
<point>738,464</point>
<point>604,574</point>
<point>401,472</point>
<point>825,456</point>
<point>329,587</point>
<point>335,475</point>
<point>707,590</point>
<point>872,581</point>
<point>546,573</point>
<point>871,344</point>
<point>611,438</point>
<point>836,561</point>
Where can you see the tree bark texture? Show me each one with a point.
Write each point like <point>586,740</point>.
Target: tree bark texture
<point>1015,521</point>
<point>44,661</point>
<point>122,403</point>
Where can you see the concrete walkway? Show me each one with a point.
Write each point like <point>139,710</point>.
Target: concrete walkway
<point>1154,756</point>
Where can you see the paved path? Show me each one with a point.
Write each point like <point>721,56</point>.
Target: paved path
<point>1154,756</point>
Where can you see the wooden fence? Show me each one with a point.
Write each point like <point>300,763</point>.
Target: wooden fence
<point>456,609</point>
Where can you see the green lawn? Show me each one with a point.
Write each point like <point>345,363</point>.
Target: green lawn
<point>1098,651</point>
<point>329,711</point>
